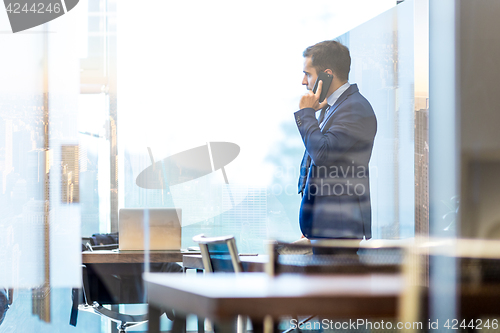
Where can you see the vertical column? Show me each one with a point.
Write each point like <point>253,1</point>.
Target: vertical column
<point>111,11</point>
<point>444,170</point>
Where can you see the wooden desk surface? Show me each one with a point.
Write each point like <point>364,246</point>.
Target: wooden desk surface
<point>250,263</point>
<point>125,257</point>
<point>221,296</point>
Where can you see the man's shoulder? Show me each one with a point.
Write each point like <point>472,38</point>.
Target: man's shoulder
<point>357,102</point>
<point>354,94</point>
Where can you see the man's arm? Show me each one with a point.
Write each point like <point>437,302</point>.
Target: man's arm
<point>350,125</point>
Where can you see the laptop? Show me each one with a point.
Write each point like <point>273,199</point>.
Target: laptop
<point>164,226</point>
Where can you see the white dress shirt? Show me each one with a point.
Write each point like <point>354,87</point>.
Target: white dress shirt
<point>333,98</point>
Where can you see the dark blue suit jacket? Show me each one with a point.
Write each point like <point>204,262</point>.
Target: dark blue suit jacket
<point>336,197</point>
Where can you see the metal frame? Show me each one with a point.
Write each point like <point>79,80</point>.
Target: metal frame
<point>241,326</point>
<point>205,254</point>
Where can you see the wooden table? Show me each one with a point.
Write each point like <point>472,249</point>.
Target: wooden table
<point>221,297</point>
<point>130,257</point>
<point>102,267</point>
<point>250,263</point>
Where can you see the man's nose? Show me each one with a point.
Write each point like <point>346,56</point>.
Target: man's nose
<point>304,81</point>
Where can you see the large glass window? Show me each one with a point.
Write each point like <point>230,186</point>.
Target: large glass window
<point>189,76</point>
<point>390,65</point>
<point>202,78</point>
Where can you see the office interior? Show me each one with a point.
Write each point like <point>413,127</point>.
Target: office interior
<point>89,100</point>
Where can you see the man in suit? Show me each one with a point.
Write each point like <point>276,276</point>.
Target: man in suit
<point>334,175</point>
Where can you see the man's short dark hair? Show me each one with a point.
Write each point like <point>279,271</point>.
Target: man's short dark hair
<point>332,55</point>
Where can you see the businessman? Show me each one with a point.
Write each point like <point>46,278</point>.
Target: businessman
<point>338,135</point>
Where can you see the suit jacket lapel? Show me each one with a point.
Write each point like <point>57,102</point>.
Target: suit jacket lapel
<point>351,90</point>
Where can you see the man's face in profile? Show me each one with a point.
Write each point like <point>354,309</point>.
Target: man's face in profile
<point>310,74</point>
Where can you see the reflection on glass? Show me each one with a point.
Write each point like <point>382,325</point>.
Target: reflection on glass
<point>385,65</point>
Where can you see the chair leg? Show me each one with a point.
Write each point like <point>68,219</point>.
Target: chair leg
<point>169,313</point>
<point>121,328</point>
<point>227,326</point>
<point>258,326</point>
<point>179,324</point>
<point>201,325</point>
<point>242,324</point>
<point>201,321</point>
<point>271,325</point>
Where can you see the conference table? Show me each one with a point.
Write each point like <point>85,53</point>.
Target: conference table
<point>102,267</point>
<point>130,257</point>
<point>221,297</point>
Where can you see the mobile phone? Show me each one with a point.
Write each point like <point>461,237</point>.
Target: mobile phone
<point>327,81</point>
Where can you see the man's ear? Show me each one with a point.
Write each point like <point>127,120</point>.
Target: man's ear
<point>329,71</point>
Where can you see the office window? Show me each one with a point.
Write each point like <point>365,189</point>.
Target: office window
<point>191,75</point>
<point>390,64</point>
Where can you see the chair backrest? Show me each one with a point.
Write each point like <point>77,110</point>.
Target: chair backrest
<point>219,254</point>
<point>100,242</point>
<point>6,297</point>
<point>346,256</point>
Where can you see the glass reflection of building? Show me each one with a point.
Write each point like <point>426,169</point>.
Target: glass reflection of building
<point>247,220</point>
<point>422,170</point>
<point>208,205</point>
<point>383,66</point>
<point>70,173</point>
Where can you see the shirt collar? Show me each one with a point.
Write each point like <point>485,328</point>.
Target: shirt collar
<point>336,94</point>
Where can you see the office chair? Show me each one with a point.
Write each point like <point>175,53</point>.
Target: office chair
<point>105,285</point>
<point>6,297</point>
<point>96,293</point>
<point>342,257</point>
<point>219,254</point>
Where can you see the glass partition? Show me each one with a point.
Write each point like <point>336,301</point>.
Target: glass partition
<point>22,160</point>
<point>40,174</point>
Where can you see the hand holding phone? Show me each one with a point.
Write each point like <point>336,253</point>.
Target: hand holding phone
<point>311,100</point>
<point>327,81</point>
